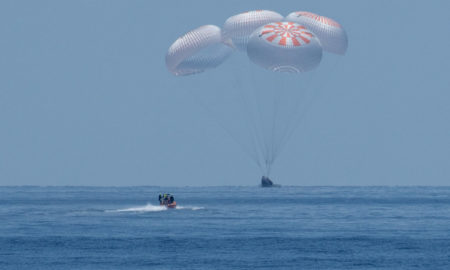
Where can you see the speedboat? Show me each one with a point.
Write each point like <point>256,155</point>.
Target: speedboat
<point>167,200</point>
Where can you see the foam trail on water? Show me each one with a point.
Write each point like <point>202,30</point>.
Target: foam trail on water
<point>193,208</point>
<point>146,208</point>
<point>154,208</point>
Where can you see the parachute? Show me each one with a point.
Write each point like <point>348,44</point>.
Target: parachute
<point>239,27</point>
<point>331,34</point>
<point>280,52</point>
<point>196,51</point>
<point>284,47</point>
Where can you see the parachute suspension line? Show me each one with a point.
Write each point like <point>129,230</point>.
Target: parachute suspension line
<point>272,136</point>
<point>253,128</point>
<point>296,117</point>
<point>250,118</point>
<point>252,124</point>
<point>281,127</point>
<point>276,97</point>
<point>274,110</point>
<point>296,123</point>
<point>259,115</point>
<point>223,126</point>
<point>317,90</point>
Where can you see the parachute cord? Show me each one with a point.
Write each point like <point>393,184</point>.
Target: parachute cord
<point>253,128</point>
<point>296,122</point>
<point>252,123</point>
<point>218,120</point>
<point>297,114</point>
<point>256,117</point>
<point>284,129</point>
<point>316,92</point>
<point>265,145</point>
<point>276,98</point>
<point>272,140</point>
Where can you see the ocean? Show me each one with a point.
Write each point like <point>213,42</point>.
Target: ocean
<point>225,228</point>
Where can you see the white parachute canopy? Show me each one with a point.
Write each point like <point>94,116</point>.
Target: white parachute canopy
<point>239,27</point>
<point>331,34</point>
<point>284,47</point>
<point>196,51</point>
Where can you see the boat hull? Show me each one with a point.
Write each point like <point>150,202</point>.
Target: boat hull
<point>170,205</point>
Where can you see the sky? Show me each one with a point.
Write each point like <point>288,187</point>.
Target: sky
<point>86,99</point>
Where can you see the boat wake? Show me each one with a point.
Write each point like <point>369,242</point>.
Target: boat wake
<point>193,208</point>
<point>153,208</point>
<point>145,208</point>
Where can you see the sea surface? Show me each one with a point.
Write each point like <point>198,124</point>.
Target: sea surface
<point>225,228</point>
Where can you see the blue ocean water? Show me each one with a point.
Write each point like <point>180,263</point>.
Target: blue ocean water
<point>225,228</point>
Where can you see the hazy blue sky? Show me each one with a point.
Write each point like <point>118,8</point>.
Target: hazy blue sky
<point>85,98</point>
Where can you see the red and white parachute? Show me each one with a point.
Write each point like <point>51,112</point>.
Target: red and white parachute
<point>239,27</point>
<point>285,47</point>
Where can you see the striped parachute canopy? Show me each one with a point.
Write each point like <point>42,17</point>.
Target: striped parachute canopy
<point>332,36</point>
<point>284,47</point>
<point>238,28</point>
<point>196,51</point>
